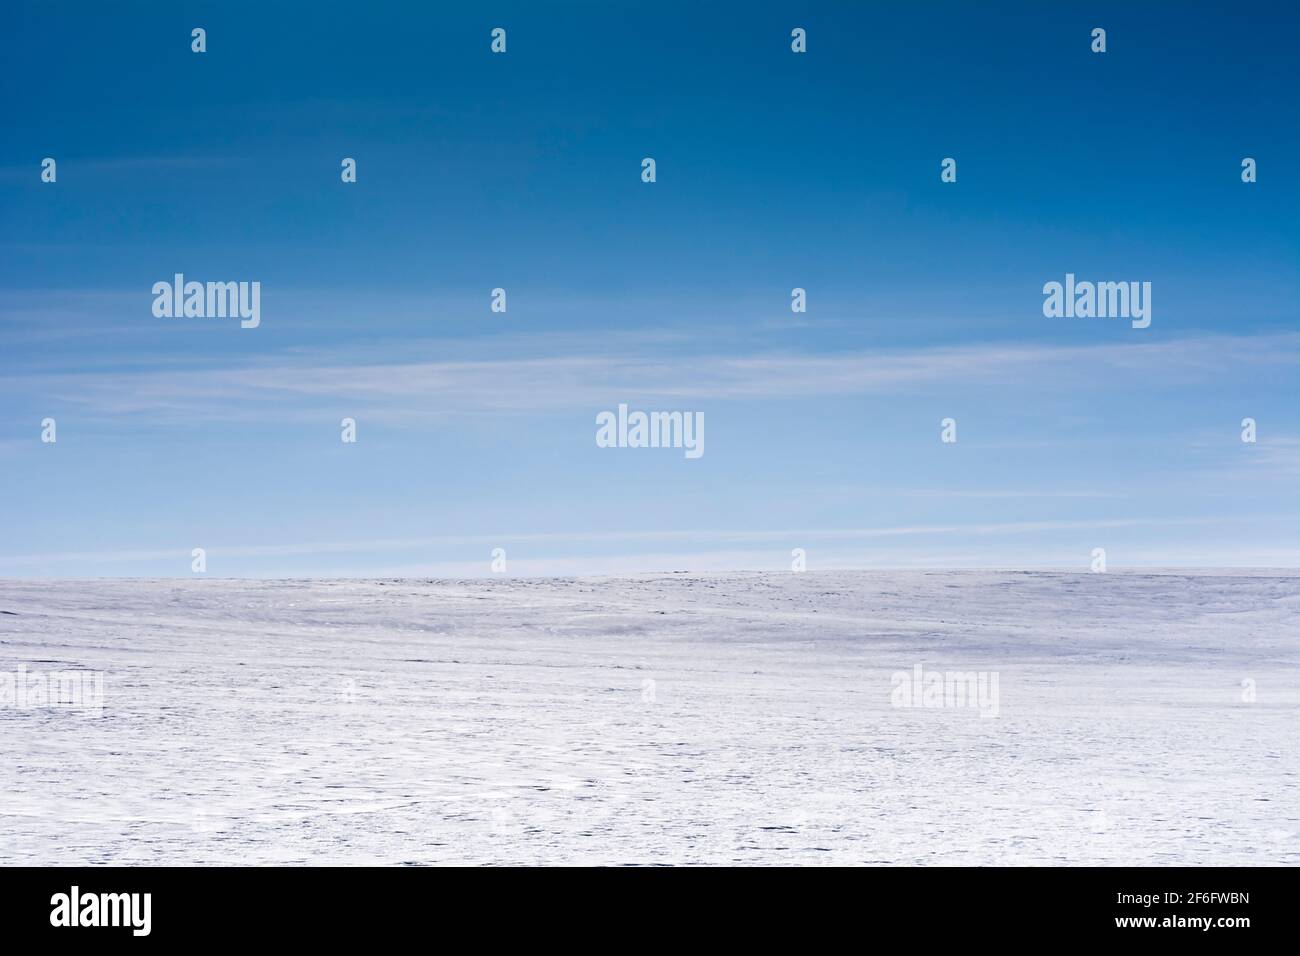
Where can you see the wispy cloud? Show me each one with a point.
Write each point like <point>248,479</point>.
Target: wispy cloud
<point>621,539</point>
<point>296,387</point>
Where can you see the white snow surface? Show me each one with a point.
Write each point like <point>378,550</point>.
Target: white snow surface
<point>511,721</point>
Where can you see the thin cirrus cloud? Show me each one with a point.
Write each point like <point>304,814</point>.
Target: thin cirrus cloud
<point>294,387</point>
<point>618,539</point>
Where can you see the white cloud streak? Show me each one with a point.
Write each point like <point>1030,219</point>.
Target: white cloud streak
<point>299,388</point>
<point>620,539</point>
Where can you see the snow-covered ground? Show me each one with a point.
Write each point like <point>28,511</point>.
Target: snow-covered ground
<point>1141,718</point>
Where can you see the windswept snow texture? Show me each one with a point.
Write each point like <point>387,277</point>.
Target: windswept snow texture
<point>513,721</point>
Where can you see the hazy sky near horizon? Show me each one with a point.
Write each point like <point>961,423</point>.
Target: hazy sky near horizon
<point>775,170</point>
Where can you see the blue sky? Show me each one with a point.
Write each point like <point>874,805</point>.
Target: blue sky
<point>522,171</point>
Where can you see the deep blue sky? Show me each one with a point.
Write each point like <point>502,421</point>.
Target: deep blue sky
<point>522,171</point>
